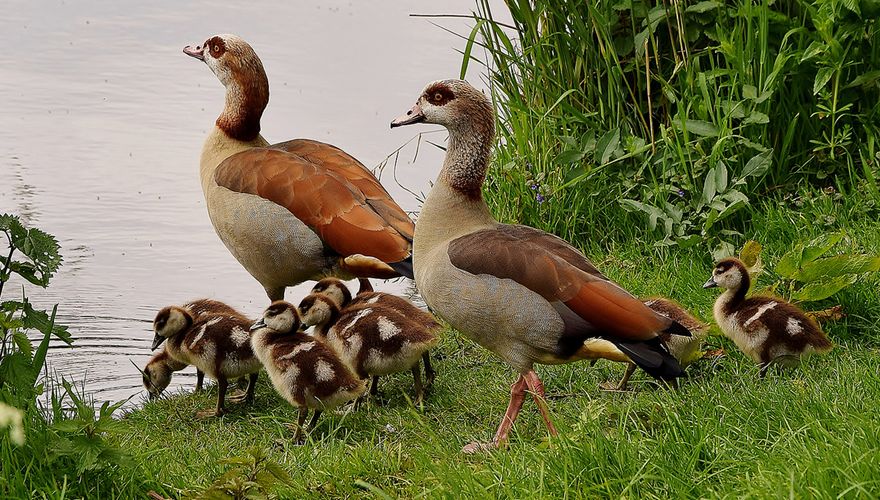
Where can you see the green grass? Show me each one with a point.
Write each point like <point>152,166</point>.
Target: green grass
<point>812,432</point>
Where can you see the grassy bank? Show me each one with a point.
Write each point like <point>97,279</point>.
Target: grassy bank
<point>812,432</point>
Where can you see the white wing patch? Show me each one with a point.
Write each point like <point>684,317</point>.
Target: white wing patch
<point>374,299</point>
<point>761,310</point>
<point>199,335</point>
<point>323,371</point>
<point>794,327</point>
<point>239,336</point>
<point>387,328</point>
<point>357,317</point>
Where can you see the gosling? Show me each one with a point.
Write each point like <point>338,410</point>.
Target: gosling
<point>217,344</point>
<point>304,371</point>
<point>768,329</point>
<point>336,290</point>
<point>374,340</point>
<point>157,373</point>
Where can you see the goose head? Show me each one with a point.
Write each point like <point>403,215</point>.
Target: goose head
<point>729,273</point>
<point>318,309</point>
<point>281,316</point>
<point>169,322</point>
<point>156,378</point>
<point>455,104</point>
<point>238,68</point>
<point>333,288</point>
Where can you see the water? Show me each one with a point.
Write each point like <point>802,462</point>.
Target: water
<point>102,123</point>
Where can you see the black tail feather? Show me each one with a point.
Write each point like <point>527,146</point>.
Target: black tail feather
<point>653,357</point>
<point>404,267</point>
<point>677,328</point>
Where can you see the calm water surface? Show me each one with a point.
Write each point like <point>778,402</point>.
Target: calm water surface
<point>102,119</point>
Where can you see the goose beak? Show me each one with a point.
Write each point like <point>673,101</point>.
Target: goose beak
<point>710,284</point>
<point>261,323</point>
<point>414,115</point>
<point>157,341</point>
<point>197,52</point>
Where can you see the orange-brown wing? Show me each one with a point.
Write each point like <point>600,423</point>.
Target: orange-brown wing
<point>337,160</point>
<point>552,268</point>
<point>322,198</point>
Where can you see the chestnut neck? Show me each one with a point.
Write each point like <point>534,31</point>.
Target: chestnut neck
<point>246,99</point>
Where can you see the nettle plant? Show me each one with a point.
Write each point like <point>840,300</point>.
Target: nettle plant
<point>32,255</point>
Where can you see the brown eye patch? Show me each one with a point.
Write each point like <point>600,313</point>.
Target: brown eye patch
<point>216,46</point>
<point>439,94</point>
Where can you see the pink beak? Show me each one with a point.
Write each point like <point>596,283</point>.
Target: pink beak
<point>414,115</point>
<point>197,52</point>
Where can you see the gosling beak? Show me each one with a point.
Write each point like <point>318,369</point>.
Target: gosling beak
<point>153,396</point>
<point>261,323</point>
<point>157,341</point>
<point>710,284</point>
<point>197,52</point>
<point>414,115</point>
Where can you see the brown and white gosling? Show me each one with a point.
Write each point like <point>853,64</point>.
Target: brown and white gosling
<point>685,349</point>
<point>768,329</point>
<point>374,340</point>
<point>217,344</point>
<point>305,371</point>
<point>336,289</point>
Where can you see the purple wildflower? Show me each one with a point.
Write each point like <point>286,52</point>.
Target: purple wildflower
<point>539,197</point>
<point>681,193</point>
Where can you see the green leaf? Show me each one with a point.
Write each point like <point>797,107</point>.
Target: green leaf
<point>750,92</point>
<point>757,165</point>
<point>750,253</point>
<point>607,145</point>
<point>819,290</point>
<point>720,176</point>
<point>822,76</point>
<point>814,50</point>
<point>698,127</point>
<point>723,250</point>
<point>866,79</point>
<point>756,117</point>
<point>469,47</point>
<point>688,241</point>
<point>704,6</point>
<point>709,188</point>
<point>838,265</point>
<point>570,156</point>
<point>818,247</point>
<point>23,343</point>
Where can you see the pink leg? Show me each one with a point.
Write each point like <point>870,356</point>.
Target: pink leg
<point>536,387</point>
<point>517,397</point>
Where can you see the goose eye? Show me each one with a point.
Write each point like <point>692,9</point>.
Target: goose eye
<point>215,49</point>
<point>438,97</point>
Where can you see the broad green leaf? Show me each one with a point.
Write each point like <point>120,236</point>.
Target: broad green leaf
<point>750,253</point>
<point>731,209</point>
<point>866,79</point>
<point>789,264</point>
<point>720,176</point>
<point>23,343</point>
<point>757,165</point>
<point>756,117</point>
<point>704,6</point>
<point>607,145</point>
<point>819,290</point>
<point>688,241</point>
<point>819,246</point>
<point>699,127</point>
<point>734,195</point>
<point>815,49</point>
<point>709,186</point>
<point>750,92</point>
<point>822,76</point>
<point>723,250</point>
<point>633,205</point>
<point>570,156</point>
<point>838,265</point>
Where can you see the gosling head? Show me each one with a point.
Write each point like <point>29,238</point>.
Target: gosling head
<point>317,309</point>
<point>728,273</point>
<point>455,104</point>
<point>169,322</point>
<point>333,288</point>
<point>281,317</point>
<point>156,378</point>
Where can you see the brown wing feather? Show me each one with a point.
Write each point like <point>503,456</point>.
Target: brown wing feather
<point>323,198</point>
<point>337,160</point>
<point>555,270</point>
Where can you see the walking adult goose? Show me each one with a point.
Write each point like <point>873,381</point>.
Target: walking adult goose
<point>524,294</point>
<point>296,210</point>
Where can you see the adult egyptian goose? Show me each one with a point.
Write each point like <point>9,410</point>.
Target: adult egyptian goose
<point>304,371</point>
<point>768,329</point>
<point>296,210</point>
<point>685,349</point>
<point>374,340</point>
<point>217,344</point>
<point>336,290</point>
<point>524,294</point>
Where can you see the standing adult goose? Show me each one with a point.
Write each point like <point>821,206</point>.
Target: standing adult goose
<point>524,294</point>
<point>296,210</point>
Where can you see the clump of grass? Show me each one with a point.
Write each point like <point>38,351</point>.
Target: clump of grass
<point>669,121</point>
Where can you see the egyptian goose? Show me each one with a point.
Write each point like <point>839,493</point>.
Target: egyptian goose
<point>157,373</point>
<point>304,371</point>
<point>296,210</point>
<point>217,344</point>
<point>522,293</point>
<point>768,329</point>
<point>685,349</point>
<point>335,289</point>
<point>375,340</point>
